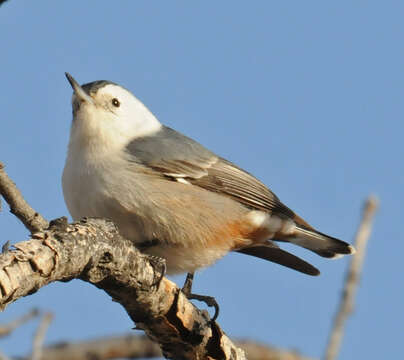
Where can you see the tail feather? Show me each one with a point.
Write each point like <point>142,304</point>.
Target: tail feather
<point>321,244</point>
<point>271,227</point>
<point>272,252</point>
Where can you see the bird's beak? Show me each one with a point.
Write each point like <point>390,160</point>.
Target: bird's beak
<point>79,92</point>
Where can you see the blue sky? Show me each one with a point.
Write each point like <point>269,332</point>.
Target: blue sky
<point>306,95</point>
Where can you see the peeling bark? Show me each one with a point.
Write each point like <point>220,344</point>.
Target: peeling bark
<point>93,251</point>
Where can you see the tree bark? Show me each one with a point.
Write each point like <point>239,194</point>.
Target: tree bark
<point>92,250</point>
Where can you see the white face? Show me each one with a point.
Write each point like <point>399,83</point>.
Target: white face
<point>110,118</point>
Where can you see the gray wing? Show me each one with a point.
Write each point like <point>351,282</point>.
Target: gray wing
<point>178,157</point>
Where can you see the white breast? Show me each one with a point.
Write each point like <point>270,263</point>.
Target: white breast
<point>82,183</point>
<point>87,177</point>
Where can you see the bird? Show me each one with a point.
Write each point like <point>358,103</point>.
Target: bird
<point>171,196</point>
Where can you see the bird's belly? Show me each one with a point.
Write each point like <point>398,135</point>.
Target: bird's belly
<point>180,259</point>
<point>189,225</point>
<point>97,199</point>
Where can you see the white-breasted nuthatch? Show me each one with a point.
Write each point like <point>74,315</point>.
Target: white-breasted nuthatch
<point>170,195</point>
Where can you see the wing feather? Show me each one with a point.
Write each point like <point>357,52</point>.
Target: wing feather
<point>178,157</point>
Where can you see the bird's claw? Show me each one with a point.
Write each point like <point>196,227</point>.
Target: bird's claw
<point>208,300</point>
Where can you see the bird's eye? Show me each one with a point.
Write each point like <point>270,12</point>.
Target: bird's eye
<point>116,102</point>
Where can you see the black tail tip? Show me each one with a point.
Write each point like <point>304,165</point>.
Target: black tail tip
<point>330,254</point>
<point>351,249</point>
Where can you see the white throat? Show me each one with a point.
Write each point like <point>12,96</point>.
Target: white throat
<point>99,128</point>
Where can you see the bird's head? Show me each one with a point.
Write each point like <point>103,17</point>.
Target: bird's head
<point>106,115</point>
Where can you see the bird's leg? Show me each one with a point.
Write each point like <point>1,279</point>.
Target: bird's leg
<point>208,300</point>
<point>187,288</point>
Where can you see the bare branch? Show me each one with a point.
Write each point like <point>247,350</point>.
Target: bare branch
<point>40,336</point>
<point>93,251</point>
<point>119,347</point>
<point>352,278</point>
<point>10,327</point>
<point>140,347</point>
<point>18,206</point>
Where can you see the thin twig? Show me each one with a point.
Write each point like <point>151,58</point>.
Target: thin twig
<point>39,336</point>
<point>10,327</point>
<point>32,220</point>
<point>352,278</point>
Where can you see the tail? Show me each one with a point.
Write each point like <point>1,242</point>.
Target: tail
<point>271,252</point>
<point>269,228</point>
<point>321,244</point>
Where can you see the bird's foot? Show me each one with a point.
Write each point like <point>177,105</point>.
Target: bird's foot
<point>208,300</point>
